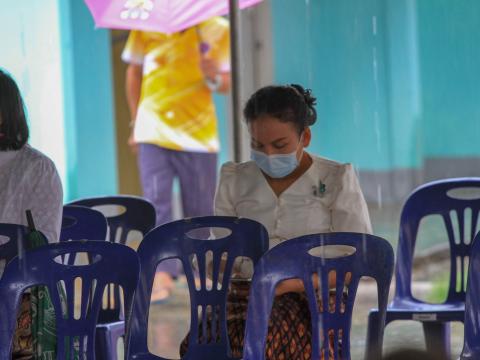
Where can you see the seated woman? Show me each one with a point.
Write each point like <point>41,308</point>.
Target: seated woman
<point>28,181</point>
<point>292,193</point>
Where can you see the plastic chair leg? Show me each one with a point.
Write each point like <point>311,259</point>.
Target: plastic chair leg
<point>106,339</point>
<point>437,339</point>
<point>373,349</point>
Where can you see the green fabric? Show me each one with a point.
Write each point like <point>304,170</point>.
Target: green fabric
<point>44,338</point>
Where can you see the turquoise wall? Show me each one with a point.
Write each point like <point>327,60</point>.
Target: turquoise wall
<point>450,71</point>
<point>396,81</point>
<point>89,117</point>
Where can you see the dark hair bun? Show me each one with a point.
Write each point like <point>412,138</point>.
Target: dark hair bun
<point>288,103</point>
<point>310,101</point>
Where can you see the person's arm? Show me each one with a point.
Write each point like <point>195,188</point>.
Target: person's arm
<point>349,209</point>
<point>46,200</point>
<point>133,88</point>
<point>214,75</point>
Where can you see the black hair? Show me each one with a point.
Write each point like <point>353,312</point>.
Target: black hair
<point>288,103</point>
<point>13,123</point>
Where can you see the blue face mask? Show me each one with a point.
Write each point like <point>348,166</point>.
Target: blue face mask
<point>276,166</point>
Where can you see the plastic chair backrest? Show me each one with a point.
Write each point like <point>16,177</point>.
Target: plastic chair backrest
<point>82,223</point>
<point>372,257</point>
<point>434,199</point>
<point>13,242</point>
<point>471,345</point>
<point>136,213</point>
<point>113,263</point>
<point>132,213</point>
<point>248,238</point>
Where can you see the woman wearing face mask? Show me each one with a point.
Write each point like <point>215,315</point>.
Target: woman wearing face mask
<point>292,193</point>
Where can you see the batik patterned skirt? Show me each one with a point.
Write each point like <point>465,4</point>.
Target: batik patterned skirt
<point>289,329</point>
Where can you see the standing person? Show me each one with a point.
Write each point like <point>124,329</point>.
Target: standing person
<point>170,80</point>
<point>292,193</point>
<point>28,181</point>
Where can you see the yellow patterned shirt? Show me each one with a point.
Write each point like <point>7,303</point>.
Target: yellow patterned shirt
<point>176,109</point>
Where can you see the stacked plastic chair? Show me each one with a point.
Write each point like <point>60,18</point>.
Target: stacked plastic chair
<point>471,345</point>
<point>138,214</point>
<point>16,241</point>
<point>371,256</point>
<point>113,263</point>
<point>434,198</point>
<point>172,241</point>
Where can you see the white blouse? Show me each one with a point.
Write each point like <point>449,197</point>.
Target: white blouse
<point>326,198</point>
<point>29,180</point>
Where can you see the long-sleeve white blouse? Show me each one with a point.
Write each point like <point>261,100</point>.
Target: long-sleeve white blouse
<point>29,180</point>
<point>326,198</point>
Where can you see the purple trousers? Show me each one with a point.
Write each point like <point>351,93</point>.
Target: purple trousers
<point>197,175</point>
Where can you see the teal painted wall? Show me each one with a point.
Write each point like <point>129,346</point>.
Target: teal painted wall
<point>336,48</point>
<point>89,118</point>
<point>397,81</point>
<point>221,102</point>
<point>450,71</point>
<point>30,52</point>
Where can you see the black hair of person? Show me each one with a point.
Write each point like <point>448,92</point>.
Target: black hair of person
<point>288,103</point>
<point>13,122</point>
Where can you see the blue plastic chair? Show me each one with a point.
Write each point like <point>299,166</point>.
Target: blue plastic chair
<point>432,199</point>
<point>170,241</point>
<point>471,345</point>
<point>373,257</point>
<point>17,241</point>
<point>137,214</point>
<point>82,223</point>
<point>114,263</point>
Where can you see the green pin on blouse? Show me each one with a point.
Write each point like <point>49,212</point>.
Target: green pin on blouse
<point>321,188</point>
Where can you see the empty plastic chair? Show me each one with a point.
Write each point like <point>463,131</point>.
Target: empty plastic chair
<point>130,213</point>
<point>435,198</point>
<point>247,238</point>
<point>13,241</point>
<point>75,325</point>
<point>368,255</point>
<point>82,223</point>
<point>471,345</point>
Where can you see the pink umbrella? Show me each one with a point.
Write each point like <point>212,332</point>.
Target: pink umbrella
<point>166,16</point>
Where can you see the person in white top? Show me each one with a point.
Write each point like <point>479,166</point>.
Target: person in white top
<point>28,178</point>
<point>292,193</point>
<point>28,181</point>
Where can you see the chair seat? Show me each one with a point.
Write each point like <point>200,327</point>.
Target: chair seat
<point>413,305</point>
<point>412,309</point>
<point>106,339</point>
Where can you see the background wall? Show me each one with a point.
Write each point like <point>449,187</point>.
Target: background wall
<point>30,52</point>
<point>397,85</point>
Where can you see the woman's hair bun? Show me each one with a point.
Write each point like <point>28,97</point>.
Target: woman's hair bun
<point>310,101</point>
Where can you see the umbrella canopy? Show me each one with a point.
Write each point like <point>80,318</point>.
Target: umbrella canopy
<point>166,16</point>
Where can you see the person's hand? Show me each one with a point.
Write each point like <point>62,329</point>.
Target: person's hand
<point>132,144</point>
<point>209,67</point>
<point>240,287</point>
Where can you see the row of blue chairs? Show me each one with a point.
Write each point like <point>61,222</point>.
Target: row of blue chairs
<point>116,263</point>
<point>433,198</point>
